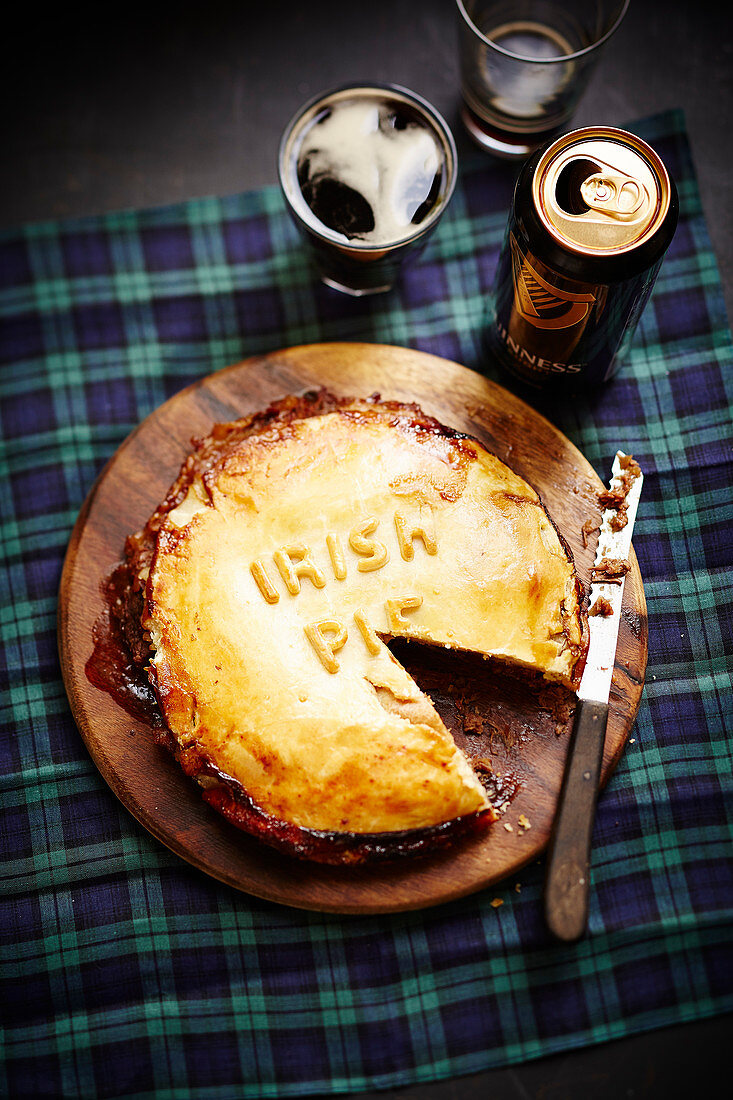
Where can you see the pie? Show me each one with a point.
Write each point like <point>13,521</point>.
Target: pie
<point>293,546</point>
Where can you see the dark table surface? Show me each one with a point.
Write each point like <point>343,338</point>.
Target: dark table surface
<point>153,109</point>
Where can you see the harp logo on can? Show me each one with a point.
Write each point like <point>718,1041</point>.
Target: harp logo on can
<point>541,303</point>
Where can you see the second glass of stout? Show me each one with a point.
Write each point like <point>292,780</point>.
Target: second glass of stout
<point>524,65</point>
<point>367,172</point>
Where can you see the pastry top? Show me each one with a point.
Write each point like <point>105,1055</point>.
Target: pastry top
<point>286,559</point>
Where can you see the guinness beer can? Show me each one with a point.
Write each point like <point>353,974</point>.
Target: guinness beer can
<point>593,215</point>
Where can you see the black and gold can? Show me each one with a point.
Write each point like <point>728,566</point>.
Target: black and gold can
<point>593,214</point>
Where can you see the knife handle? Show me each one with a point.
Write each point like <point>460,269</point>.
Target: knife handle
<point>567,876</point>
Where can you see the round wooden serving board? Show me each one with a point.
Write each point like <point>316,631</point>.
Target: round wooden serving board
<point>147,780</point>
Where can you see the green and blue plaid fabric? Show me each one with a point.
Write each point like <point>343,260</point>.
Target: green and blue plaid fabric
<point>128,973</point>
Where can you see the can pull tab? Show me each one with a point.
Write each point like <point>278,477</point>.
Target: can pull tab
<point>617,196</point>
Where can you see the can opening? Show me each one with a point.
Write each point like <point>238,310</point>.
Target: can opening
<point>568,194</point>
<point>600,191</point>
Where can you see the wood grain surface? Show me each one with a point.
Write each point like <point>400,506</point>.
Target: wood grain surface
<point>147,780</point>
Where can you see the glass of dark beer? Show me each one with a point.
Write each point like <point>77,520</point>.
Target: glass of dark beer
<point>367,172</point>
<point>525,64</point>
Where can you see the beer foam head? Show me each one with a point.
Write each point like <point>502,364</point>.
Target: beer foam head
<point>370,169</point>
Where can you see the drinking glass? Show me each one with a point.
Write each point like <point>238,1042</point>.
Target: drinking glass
<point>524,65</point>
<point>366,172</point>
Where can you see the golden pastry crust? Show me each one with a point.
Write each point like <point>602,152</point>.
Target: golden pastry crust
<point>293,545</point>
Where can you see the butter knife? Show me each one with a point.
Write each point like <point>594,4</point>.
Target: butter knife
<point>567,876</point>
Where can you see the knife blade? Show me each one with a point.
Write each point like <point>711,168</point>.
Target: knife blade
<point>567,876</point>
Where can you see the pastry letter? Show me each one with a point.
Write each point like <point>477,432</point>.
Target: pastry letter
<point>406,533</point>
<point>395,611</point>
<point>294,561</point>
<point>326,649</point>
<point>375,553</point>
<point>263,582</point>
<point>336,554</point>
<point>371,639</point>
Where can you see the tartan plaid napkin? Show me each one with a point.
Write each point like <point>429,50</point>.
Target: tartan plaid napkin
<point>128,973</point>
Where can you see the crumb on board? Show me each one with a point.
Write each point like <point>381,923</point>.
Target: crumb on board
<point>496,902</point>
<point>509,828</point>
<point>524,822</point>
<point>587,529</point>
